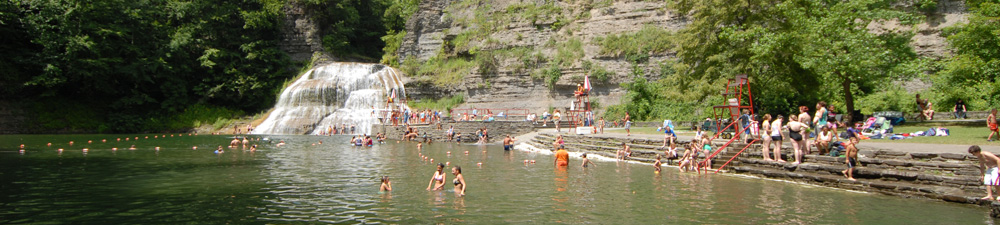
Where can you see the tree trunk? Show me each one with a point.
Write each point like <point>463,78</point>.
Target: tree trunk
<point>848,99</point>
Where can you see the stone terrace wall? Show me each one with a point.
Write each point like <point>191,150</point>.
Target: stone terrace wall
<point>496,129</point>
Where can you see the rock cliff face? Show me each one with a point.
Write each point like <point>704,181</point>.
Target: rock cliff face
<point>439,22</point>
<point>441,29</point>
<point>301,37</point>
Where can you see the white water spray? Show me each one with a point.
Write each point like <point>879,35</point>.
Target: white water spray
<point>338,94</point>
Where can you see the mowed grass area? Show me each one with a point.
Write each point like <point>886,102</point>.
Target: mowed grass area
<point>651,130</point>
<point>960,135</point>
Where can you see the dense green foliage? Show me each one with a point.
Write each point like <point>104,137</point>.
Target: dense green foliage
<point>361,28</point>
<point>973,74</point>
<point>163,65</point>
<point>797,52</point>
<point>128,66</point>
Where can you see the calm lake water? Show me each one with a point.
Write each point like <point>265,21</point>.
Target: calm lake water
<point>336,183</point>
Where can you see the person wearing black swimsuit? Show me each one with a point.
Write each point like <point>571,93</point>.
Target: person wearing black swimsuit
<point>459,180</point>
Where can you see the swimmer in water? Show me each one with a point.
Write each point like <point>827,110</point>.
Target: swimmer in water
<point>253,148</point>
<point>282,143</point>
<point>234,143</point>
<point>585,161</point>
<point>656,164</point>
<point>386,184</point>
<point>459,180</point>
<point>437,181</point>
<point>562,157</point>
<point>219,150</point>
<point>131,148</point>
<point>508,143</point>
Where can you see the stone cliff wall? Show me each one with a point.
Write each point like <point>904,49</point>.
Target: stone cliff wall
<point>300,34</point>
<point>440,23</point>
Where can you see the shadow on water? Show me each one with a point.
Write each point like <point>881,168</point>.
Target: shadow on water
<point>307,182</point>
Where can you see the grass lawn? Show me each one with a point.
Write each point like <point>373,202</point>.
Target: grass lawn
<point>960,135</point>
<point>652,130</point>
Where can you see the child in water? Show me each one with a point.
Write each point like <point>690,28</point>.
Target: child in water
<point>586,161</point>
<point>656,165</point>
<point>386,184</point>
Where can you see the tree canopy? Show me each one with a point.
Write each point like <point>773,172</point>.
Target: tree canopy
<point>797,52</point>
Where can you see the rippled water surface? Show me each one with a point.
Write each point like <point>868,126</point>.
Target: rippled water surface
<point>336,183</point>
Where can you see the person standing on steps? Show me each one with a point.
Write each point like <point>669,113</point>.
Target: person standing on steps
<point>851,159</point>
<point>988,168</point>
<point>807,122</point>
<point>777,137</point>
<point>796,132</point>
<point>766,137</point>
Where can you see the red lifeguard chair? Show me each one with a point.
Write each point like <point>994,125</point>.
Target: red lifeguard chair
<point>727,116</point>
<point>581,106</point>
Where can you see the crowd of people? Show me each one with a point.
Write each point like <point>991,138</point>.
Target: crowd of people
<point>343,129</point>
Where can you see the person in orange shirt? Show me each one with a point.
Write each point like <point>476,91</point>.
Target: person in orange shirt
<point>562,157</point>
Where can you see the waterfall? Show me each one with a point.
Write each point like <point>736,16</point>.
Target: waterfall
<point>335,95</point>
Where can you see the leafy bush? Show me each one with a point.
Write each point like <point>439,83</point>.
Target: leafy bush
<point>552,75</point>
<point>636,47</point>
<point>444,104</point>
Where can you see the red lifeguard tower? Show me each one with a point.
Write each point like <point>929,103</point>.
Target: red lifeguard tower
<point>581,106</point>
<point>727,116</point>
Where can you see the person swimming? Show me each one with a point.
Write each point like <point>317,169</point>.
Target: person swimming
<point>437,181</point>
<point>386,184</point>
<point>585,161</point>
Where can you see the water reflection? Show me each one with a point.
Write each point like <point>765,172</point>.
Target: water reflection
<point>335,183</point>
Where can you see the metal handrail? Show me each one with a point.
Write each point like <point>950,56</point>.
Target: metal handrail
<point>737,154</point>
<point>717,151</point>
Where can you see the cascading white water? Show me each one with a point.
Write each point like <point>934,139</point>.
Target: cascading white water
<point>351,94</point>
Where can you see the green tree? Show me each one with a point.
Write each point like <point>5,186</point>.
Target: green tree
<point>796,52</point>
<point>839,47</point>
<point>972,74</point>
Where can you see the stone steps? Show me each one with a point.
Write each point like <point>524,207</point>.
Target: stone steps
<point>897,188</point>
<point>950,177</point>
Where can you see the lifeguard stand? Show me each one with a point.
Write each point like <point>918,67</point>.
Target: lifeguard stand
<point>581,106</point>
<point>734,93</point>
